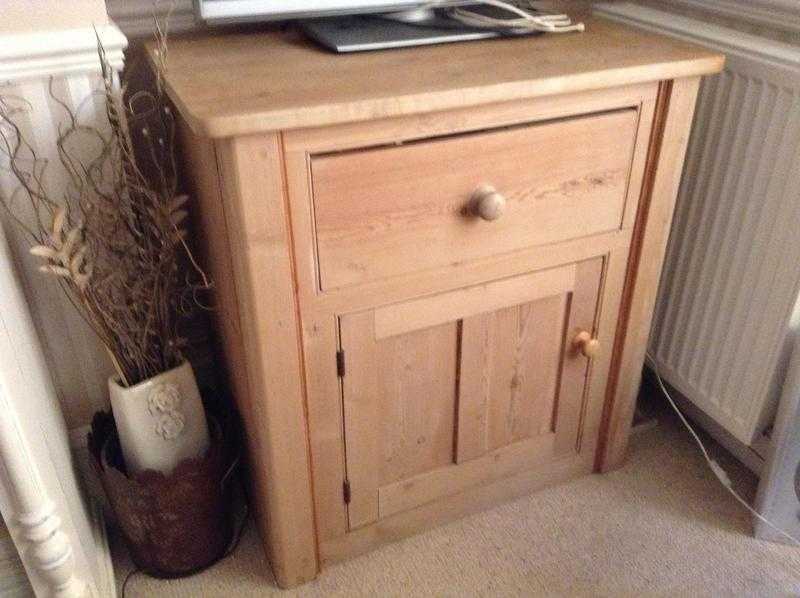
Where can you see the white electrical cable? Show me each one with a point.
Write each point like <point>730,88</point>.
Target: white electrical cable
<point>524,22</point>
<point>719,472</point>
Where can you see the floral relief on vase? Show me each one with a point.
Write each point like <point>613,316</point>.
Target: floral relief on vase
<point>164,404</point>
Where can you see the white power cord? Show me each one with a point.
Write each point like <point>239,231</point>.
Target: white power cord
<point>719,472</point>
<point>524,20</point>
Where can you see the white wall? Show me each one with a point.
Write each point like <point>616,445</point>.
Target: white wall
<point>27,15</point>
<point>774,19</point>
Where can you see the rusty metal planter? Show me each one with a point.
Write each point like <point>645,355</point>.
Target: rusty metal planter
<point>176,524</point>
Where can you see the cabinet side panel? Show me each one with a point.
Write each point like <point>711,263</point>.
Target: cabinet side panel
<point>254,203</point>
<point>211,241</point>
<point>669,139</point>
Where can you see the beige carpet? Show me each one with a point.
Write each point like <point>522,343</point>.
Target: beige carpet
<point>13,580</point>
<point>660,526</point>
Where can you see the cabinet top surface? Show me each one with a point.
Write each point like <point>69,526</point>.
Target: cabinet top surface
<point>228,84</point>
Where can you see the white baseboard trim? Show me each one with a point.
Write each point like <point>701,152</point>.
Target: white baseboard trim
<point>56,53</point>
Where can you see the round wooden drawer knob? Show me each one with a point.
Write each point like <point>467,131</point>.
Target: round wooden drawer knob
<point>488,203</point>
<point>587,345</point>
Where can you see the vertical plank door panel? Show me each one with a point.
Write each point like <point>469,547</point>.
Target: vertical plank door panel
<point>417,401</point>
<point>442,394</point>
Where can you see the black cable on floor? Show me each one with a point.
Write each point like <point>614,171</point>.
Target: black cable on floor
<point>127,579</point>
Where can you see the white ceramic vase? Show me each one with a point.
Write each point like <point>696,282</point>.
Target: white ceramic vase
<point>160,421</point>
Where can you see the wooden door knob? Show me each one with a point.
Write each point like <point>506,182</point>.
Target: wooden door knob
<point>587,345</point>
<point>488,203</point>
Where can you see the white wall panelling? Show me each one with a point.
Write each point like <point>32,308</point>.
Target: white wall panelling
<point>78,362</point>
<point>25,15</point>
<point>731,279</point>
<point>42,54</point>
<point>61,539</point>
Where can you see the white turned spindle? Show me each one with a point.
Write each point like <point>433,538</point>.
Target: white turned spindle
<point>39,525</point>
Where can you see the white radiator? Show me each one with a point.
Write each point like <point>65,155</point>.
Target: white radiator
<point>732,276</point>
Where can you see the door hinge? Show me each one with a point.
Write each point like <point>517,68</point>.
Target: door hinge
<point>346,492</point>
<point>340,363</point>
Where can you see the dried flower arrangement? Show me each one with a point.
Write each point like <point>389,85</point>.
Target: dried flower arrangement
<point>115,239</point>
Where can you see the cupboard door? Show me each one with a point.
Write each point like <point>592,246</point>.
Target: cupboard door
<point>450,391</point>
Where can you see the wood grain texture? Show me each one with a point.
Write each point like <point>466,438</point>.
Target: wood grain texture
<point>521,389</point>
<point>399,405</point>
<point>510,368</point>
<point>404,300</point>
<point>414,202</point>
<point>438,512</point>
<point>301,145</point>
<point>467,119</point>
<point>256,215</point>
<point>461,385</point>
<point>257,82</point>
<point>673,114</point>
<point>362,418</point>
<point>321,344</point>
<point>325,419</point>
<point>510,459</point>
<point>319,311</point>
<point>418,376</point>
<point>212,242</point>
<point>469,301</point>
<point>584,314</point>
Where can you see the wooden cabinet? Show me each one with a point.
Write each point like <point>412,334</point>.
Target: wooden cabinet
<point>435,276</point>
<point>449,354</point>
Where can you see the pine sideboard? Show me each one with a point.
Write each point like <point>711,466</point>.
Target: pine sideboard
<point>435,268</point>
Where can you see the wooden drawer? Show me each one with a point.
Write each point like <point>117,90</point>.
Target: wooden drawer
<point>389,211</point>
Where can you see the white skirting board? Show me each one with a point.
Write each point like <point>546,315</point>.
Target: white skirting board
<point>44,54</point>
